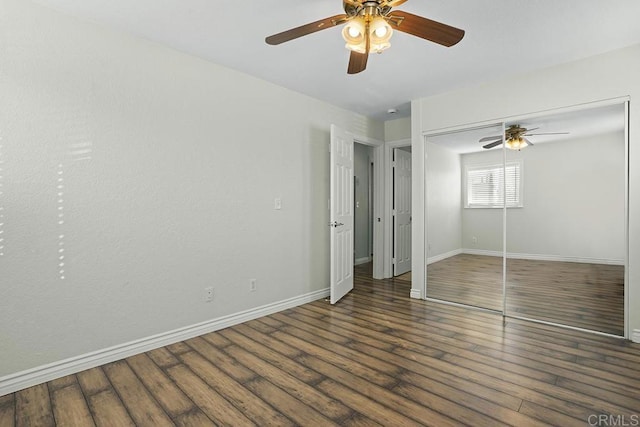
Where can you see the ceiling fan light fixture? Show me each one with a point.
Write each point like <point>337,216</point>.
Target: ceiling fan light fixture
<point>516,143</point>
<point>380,33</point>
<point>358,29</point>
<point>354,35</point>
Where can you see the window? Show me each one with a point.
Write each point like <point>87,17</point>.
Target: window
<point>484,185</point>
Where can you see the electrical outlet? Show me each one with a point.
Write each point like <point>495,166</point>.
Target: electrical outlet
<point>474,239</point>
<point>208,294</point>
<point>253,285</point>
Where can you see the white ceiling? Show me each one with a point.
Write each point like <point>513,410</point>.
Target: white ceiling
<point>503,37</point>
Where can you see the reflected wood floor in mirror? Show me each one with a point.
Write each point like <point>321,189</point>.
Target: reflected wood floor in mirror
<point>588,296</point>
<point>377,358</point>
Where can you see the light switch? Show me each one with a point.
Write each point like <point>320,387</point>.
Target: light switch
<point>277,205</point>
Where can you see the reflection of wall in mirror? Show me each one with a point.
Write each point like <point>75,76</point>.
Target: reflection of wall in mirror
<point>573,202</point>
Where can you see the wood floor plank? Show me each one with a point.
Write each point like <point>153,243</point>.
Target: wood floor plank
<point>108,410</point>
<point>142,407</point>
<point>174,401</point>
<point>70,407</point>
<point>218,357</point>
<point>210,402</point>
<point>33,407</point>
<point>216,339</point>
<point>283,363</point>
<point>194,419</point>
<point>254,408</point>
<point>7,411</point>
<point>264,337</point>
<point>298,388</point>
<point>550,417</point>
<point>380,394</point>
<point>163,357</point>
<point>62,382</point>
<point>178,348</point>
<point>377,357</point>
<point>361,402</point>
<point>554,391</point>
<point>330,352</point>
<point>283,402</point>
<point>485,414</point>
<point>93,381</point>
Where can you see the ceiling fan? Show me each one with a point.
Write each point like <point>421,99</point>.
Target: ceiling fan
<point>514,137</point>
<point>369,27</point>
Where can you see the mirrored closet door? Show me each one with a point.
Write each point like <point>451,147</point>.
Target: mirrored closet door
<point>528,218</point>
<point>565,224</point>
<point>464,215</point>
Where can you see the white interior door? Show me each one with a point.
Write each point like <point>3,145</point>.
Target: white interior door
<point>402,212</point>
<point>341,224</point>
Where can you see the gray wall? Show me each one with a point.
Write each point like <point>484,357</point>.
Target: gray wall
<point>165,169</point>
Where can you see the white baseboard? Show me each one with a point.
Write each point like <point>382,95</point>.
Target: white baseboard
<point>635,335</point>
<point>443,256</point>
<point>364,260</point>
<point>416,294</point>
<point>21,380</point>
<point>540,257</point>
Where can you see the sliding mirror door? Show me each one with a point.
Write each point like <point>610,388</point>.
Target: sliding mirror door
<point>464,217</point>
<point>565,229</point>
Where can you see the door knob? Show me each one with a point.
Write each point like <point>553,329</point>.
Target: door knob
<point>335,224</point>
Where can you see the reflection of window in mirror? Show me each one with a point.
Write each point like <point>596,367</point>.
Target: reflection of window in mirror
<point>483,185</point>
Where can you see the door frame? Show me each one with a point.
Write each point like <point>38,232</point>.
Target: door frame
<point>379,200</point>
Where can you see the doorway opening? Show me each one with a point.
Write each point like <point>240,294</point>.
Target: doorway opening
<point>363,204</point>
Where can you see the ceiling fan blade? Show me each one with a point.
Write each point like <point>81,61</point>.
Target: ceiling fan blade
<point>427,29</point>
<point>306,29</point>
<point>357,62</point>
<point>493,144</point>
<point>490,138</point>
<point>527,141</point>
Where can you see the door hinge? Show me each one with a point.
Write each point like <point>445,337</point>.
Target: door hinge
<point>393,261</point>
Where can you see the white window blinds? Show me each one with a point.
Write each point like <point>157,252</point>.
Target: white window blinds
<point>484,185</point>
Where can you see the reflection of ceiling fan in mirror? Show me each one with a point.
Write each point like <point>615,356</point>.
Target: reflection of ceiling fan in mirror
<point>515,137</point>
<point>369,27</point>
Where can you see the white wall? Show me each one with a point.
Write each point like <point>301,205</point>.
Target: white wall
<point>602,77</point>
<point>170,168</point>
<point>444,207</point>
<point>573,200</point>
<point>397,129</point>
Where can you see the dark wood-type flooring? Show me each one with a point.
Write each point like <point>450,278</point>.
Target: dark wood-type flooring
<point>588,296</point>
<point>375,358</point>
